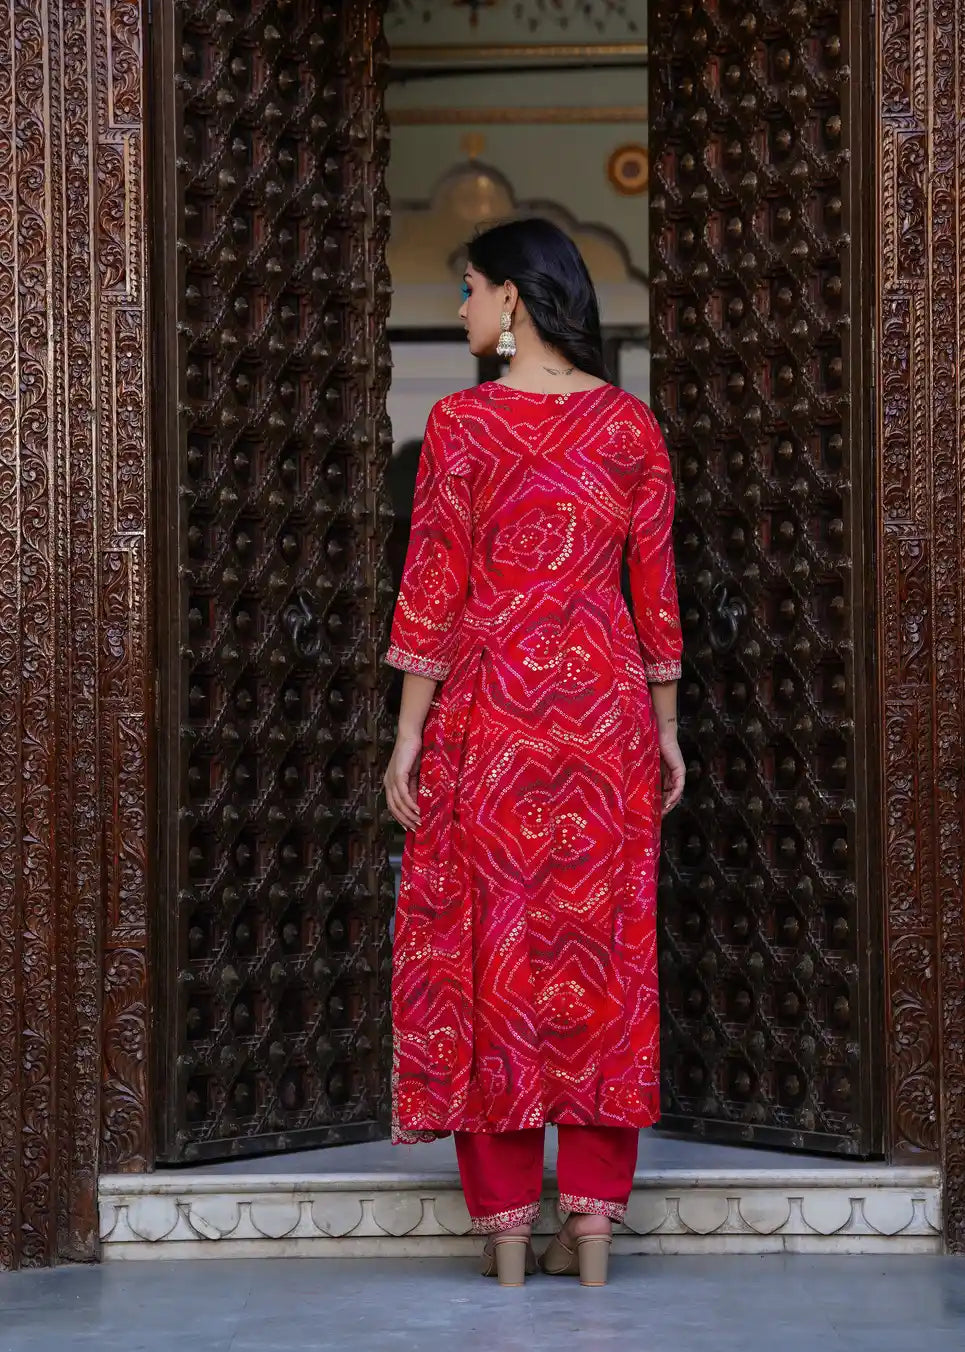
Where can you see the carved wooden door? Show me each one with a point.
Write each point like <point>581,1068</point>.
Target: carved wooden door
<point>760,209</point>
<point>271,300</point>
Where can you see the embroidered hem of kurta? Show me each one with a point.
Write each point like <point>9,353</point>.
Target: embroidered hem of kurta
<point>662,671</point>
<point>547,1116</point>
<point>403,1136</point>
<point>506,1220</point>
<point>591,1206</point>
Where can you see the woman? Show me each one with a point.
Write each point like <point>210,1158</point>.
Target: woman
<point>527,767</point>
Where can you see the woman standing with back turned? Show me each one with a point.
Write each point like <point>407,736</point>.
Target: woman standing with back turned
<point>536,749</point>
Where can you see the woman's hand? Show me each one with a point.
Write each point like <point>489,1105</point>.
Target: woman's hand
<point>402,780</point>
<point>673,772</point>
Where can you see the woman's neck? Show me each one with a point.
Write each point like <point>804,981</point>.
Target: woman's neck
<point>547,372</point>
<point>537,366</point>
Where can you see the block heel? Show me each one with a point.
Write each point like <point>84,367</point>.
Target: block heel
<point>593,1257</point>
<point>588,1259</point>
<point>509,1259</point>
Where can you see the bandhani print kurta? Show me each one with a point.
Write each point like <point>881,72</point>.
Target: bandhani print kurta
<point>525,976</point>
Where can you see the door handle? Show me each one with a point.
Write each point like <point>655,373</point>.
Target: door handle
<point>302,625</point>
<point>727,615</point>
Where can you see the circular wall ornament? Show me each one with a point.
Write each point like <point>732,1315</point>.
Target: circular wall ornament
<point>628,169</point>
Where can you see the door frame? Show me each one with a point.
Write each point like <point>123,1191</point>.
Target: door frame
<point>77,606</point>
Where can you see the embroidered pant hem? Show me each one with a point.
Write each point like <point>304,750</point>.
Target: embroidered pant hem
<point>502,1173</point>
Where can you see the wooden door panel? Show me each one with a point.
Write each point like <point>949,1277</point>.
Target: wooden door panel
<point>760,210</point>
<point>270,231</point>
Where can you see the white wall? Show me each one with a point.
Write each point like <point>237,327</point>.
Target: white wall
<point>421,374</point>
<point>560,167</point>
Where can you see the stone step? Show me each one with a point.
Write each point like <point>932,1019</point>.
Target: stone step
<point>687,1198</point>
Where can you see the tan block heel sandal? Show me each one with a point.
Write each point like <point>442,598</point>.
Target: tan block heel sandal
<point>510,1258</point>
<point>588,1259</point>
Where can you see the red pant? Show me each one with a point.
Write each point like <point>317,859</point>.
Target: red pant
<point>502,1173</point>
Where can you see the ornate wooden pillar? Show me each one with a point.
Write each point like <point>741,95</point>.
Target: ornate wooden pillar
<point>74,580</point>
<point>919,405</point>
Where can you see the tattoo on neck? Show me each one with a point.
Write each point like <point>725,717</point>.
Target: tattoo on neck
<point>560,370</point>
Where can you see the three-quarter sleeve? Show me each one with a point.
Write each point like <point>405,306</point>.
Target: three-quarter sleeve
<point>650,563</point>
<point>435,576</point>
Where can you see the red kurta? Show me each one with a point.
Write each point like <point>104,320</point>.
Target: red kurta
<point>525,978</point>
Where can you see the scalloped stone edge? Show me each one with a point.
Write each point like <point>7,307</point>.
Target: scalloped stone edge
<point>865,1210</point>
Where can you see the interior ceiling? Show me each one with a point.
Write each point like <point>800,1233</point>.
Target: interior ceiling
<point>550,20</point>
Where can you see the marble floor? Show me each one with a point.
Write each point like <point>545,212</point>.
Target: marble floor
<point>653,1304</point>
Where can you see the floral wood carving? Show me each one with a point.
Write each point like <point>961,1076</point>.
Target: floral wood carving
<point>73,763</point>
<point>124,582</point>
<point>920,303</point>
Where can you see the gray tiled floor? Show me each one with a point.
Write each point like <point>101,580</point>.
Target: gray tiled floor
<point>657,1151</point>
<point>718,1304</point>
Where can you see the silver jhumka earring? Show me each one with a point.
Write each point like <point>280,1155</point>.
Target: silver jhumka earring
<point>506,347</point>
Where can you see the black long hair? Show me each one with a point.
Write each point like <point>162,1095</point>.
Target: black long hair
<point>553,282</point>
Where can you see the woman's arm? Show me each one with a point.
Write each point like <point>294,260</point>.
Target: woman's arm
<point>664,697</point>
<point>402,777</point>
<point>650,563</point>
<point>672,770</point>
<point>432,595</point>
<point>435,575</point>
<point>653,588</point>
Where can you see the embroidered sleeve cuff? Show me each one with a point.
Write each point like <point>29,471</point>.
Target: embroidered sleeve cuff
<point>668,670</point>
<point>419,666</point>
